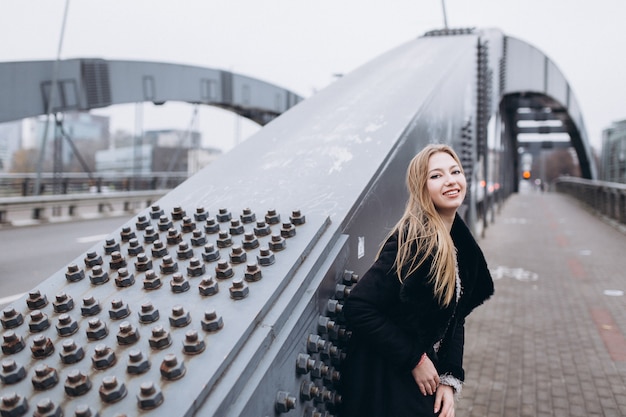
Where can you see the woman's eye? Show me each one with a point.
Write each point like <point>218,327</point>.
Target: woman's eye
<point>435,176</point>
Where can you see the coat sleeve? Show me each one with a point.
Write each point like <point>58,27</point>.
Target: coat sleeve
<point>451,353</point>
<point>368,312</point>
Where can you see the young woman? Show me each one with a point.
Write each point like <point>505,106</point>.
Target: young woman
<point>407,313</point>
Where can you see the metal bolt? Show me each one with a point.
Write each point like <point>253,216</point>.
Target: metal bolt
<point>11,318</point>
<point>211,226</point>
<point>117,261</point>
<point>223,215</point>
<point>237,255</point>
<point>45,377</point>
<point>164,223</point>
<point>193,344</point>
<point>314,343</point>
<point>11,373</point>
<point>334,308</point>
<point>118,309</point>
<point>179,317</point>
<point>152,281</point>
<point>224,240</point>
<point>150,235</point>
<point>63,303</point>
<point>111,390</point>
<point>137,363</point>
<point>149,396</point>
<point>253,272</point>
<point>171,369</point>
<point>158,249</point>
<point>124,279</point>
<point>155,211</point>
<point>198,238</point>
<point>36,300</point>
<point>211,322</point>
<point>223,270</point>
<point>134,248</point>
<point>110,246</point>
<point>265,257</point>
<point>128,334</point>
<point>178,213</point>
<point>83,410</point>
<point>342,291</point>
<point>73,273</point>
<point>285,402</point>
<point>143,263</point>
<point>208,286</point>
<point>308,390</point>
<point>148,313</point>
<point>38,321</point>
<point>90,306</point>
<point>76,383</point>
<point>103,357</point>
<point>210,253</point>
<point>262,229</point>
<point>350,278</point>
<point>236,228</point>
<point>66,325</point>
<point>304,363</point>
<point>277,243</point>
<point>98,275</point>
<point>71,353</point>
<point>173,236</point>
<point>13,405</point>
<point>288,230</point>
<point>160,338</point>
<point>247,216</point>
<point>184,251</point>
<point>179,283</point>
<point>12,343</point>
<point>92,259</point>
<point>188,225</point>
<point>201,214</point>
<point>42,347</point>
<point>142,222</point>
<point>127,234</point>
<point>239,290</point>
<point>297,218</point>
<point>168,266</point>
<point>250,241</point>
<point>97,329</point>
<point>195,268</point>
<point>272,217</point>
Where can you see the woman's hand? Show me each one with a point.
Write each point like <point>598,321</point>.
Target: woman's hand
<point>426,376</point>
<point>444,401</point>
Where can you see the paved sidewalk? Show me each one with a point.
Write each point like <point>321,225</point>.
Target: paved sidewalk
<point>551,342</point>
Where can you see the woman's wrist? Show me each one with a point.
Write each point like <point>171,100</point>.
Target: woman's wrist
<point>422,359</point>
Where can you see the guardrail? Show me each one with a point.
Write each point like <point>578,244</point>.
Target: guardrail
<point>607,198</point>
<point>17,211</point>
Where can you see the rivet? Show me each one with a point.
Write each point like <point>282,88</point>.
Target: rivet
<point>124,279</point>
<point>297,218</point>
<point>150,235</point>
<point>211,226</point>
<point>73,273</point>
<point>223,215</point>
<point>184,251</point>
<point>210,254</point>
<point>63,303</point>
<point>155,212</point>
<point>142,222</point>
<point>236,228</point>
<point>127,234</point>
<point>110,246</point>
<point>173,236</point>
<point>178,213</point>
<point>134,248</point>
<point>158,249</point>
<point>188,225</point>
<point>164,223</point>
<point>201,214</point>
<point>262,229</point>
<point>272,217</point>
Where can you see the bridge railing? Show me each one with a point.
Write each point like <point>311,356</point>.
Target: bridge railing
<point>57,208</point>
<point>608,198</point>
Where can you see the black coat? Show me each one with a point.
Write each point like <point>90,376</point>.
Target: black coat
<point>394,323</point>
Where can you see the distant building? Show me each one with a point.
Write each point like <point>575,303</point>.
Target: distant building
<point>613,156</point>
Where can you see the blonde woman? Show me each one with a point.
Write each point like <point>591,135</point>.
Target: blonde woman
<point>407,312</point>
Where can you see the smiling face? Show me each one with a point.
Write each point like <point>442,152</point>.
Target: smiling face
<point>445,183</point>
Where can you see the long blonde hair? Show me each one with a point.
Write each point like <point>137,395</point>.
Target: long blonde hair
<point>422,232</point>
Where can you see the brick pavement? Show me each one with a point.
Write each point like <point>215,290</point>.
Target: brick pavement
<point>551,342</point>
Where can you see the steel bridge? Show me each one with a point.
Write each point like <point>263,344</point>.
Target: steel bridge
<point>224,297</point>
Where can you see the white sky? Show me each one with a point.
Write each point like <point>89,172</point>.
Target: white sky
<point>300,44</point>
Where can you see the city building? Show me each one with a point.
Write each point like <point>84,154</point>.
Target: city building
<point>613,156</point>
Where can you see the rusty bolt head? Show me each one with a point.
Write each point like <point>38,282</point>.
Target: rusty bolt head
<point>128,334</point>
<point>184,251</point>
<point>118,310</point>
<point>66,326</point>
<point>148,313</point>
<point>208,286</point>
<point>150,235</point>
<point>117,260</point>
<point>201,214</point>
<point>13,405</point>
<point>155,211</point>
<point>149,396</point>
<point>179,284</point>
<point>223,270</point>
<point>195,268</point>
<point>211,226</point>
<point>211,322</point>
<point>236,228</point>
<point>46,408</point>
<point>42,346</point>
<point>45,377</point>
<point>198,238</point>
<point>71,352</point>
<point>319,370</point>
<point>188,225</point>
<point>137,363</point>
<point>272,217</point>
<point>134,248</point>
<point>158,249</point>
<point>193,344</point>
<point>262,229</point>
<point>83,410</point>
<point>239,289</point>
<point>142,222</point>
<point>288,230</point>
<point>334,308</point>
<point>103,357</point>
<point>111,390</point>
<point>11,372</point>
<point>124,279</point>
<point>250,241</point>
<point>160,338</point>
<point>110,246</point>
<point>247,216</point>
<point>277,243</point>
<point>127,234</point>
<point>314,343</point>
<point>210,254</point>
<point>98,275</point>
<point>285,402</point>
<point>96,329</point>
<point>173,236</point>
<point>171,368</point>
<point>238,255</point>
<point>73,273</point>
<point>179,317</point>
<point>265,257</point>
<point>143,263</point>
<point>38,321</point>
<point>168,266</point>
<point>12,343</point>
<point>224,240</point>
<point>11,318</point>
<point>164,223</point>
<point>77,383</point>
<point>308,390</point>
<point>253,272</point>
<point>92,259</point>
<point>151,280</point>
<point>297,218</point>
<point>63,303</point>
<point>36,300</point>
<point>90,306</point>
<point>223,215</point>
<point>178,213</point>
<point>304,363</point>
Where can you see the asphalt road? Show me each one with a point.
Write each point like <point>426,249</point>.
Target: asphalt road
<point>29,255</point>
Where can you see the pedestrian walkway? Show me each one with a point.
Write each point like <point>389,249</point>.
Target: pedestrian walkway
<point>551,342</point>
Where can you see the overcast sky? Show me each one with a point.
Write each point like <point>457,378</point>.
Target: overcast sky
<point>300,44</point>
